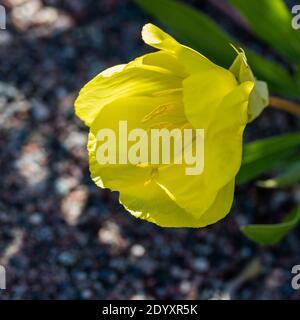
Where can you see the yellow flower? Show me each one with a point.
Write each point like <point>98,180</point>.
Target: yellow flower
<point>175,87</point>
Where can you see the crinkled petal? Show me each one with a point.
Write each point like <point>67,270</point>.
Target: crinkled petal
<point>143,199</point>
<point>203,92</point>
<point>220,207</point>
<point>115,83</point>
<point>222,156</point>
<point>154,205</point>
<point>192,60</point>
<point>132,110</point>
<point>163,60</point>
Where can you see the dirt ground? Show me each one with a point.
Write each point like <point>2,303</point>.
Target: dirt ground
<point>61,237</point>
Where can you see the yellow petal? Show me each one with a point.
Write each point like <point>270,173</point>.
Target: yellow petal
<point>132,110</point>
<point>121,82</point>
<point>138,192</point>
<point>157,38</point>
<point>151,203</point>
<point>220,207</point>
<point>192,60</point>
<point>143,200</point>
<point>204,91</point>
<point>155,206</point>
<point>233,109</point>
<point>163,60</point>
<point>222,156</point>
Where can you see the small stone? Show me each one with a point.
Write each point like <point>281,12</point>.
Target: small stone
<point>39,110</point>
<point>86,294</point>
<point>201,264</point>
<point>185,286</point>
<point>137,250</point>
<point>138,296</point>
<point>73,204</point>
<point>36,219</point>
<point>110,235</point>
<point>66,258</point>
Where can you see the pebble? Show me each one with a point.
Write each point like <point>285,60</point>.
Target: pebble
<point>137,251</point>
<point>201,264</point>
<point>66,258</point>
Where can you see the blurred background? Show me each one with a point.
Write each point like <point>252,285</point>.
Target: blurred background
<point>61,237</point>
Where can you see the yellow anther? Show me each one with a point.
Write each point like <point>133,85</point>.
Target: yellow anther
<point>162,109</point>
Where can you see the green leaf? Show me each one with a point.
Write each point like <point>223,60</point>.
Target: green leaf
<point>263,155</point>
<point>271,234</point>
<point>195,29</point>
<point>297,75</point>
<point>271,22</point>
<point>288,177</point>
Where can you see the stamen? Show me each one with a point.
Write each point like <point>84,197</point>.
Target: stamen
<point>186,125</point>
<point>154,172</point>
<point>166,92</point>
<point>153,175</point>
<point>162,109</point>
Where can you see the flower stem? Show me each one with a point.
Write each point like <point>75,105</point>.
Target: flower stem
<point>285,105</point>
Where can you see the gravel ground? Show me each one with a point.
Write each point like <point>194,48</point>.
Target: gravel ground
<point>61,237</point>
